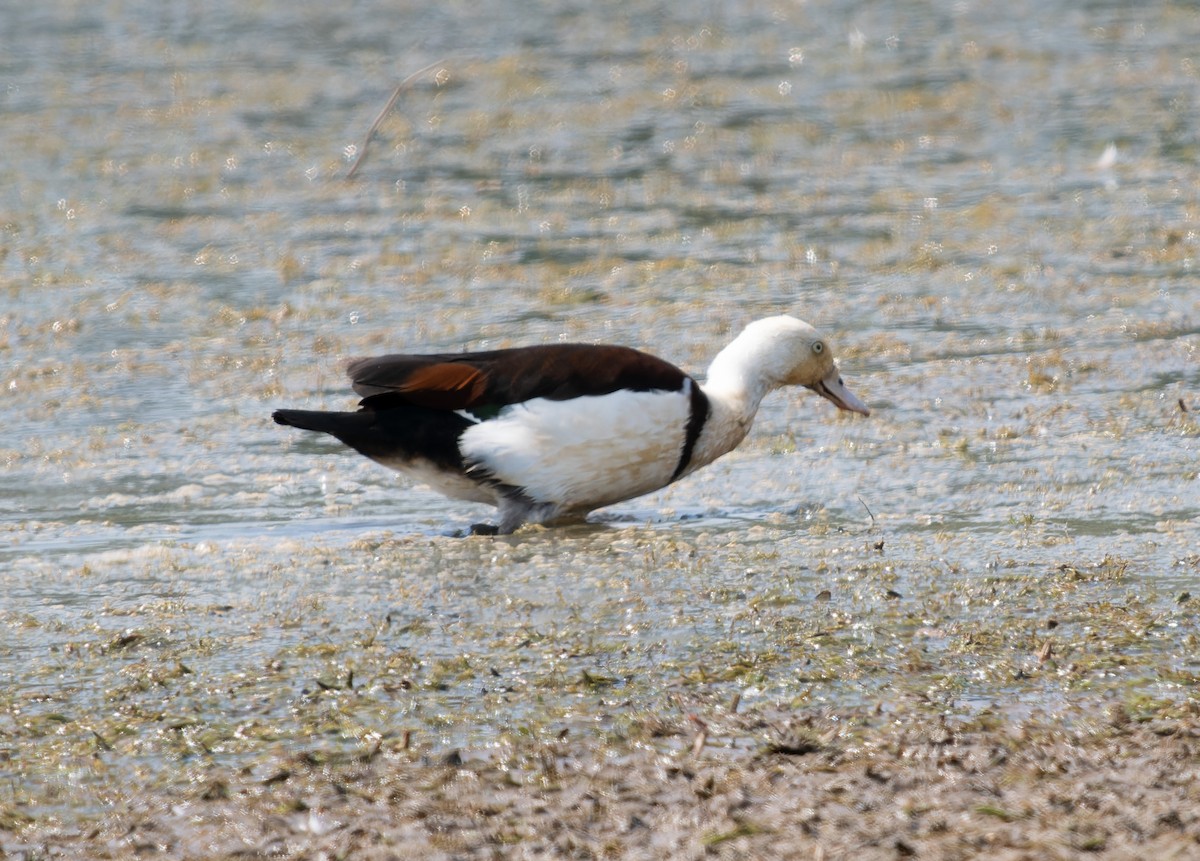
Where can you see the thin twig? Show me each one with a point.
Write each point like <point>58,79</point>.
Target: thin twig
<point>362,153</point>
<point>864,505</point>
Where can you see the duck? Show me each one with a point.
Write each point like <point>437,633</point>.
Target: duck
<point>549,433</point>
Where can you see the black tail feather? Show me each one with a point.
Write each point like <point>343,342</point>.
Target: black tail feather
<point>401,433</point>
<point>330,423</point>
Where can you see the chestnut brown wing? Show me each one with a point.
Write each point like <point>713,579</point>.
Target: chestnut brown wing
<point>494,378</point>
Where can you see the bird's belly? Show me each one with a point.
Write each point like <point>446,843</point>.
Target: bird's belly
<point>586,452</point>
<point>446,482</point>
<point>601,476</point>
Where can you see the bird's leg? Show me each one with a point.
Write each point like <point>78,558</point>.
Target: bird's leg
<point>514,509</point>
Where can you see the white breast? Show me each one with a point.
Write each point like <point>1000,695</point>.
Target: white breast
<point>585,452</point>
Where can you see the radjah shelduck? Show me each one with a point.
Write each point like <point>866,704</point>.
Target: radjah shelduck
<point>548,433</point>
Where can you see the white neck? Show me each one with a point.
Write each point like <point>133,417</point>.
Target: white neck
<point>735,386</point>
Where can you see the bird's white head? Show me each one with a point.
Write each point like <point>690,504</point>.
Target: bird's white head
<point>783,351</point>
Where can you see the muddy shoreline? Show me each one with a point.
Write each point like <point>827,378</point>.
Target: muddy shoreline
<point>884,784</point>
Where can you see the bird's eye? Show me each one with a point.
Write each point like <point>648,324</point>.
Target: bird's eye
<point>818,347</point>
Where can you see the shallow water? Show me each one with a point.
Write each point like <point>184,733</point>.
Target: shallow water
<point>992,210</point>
